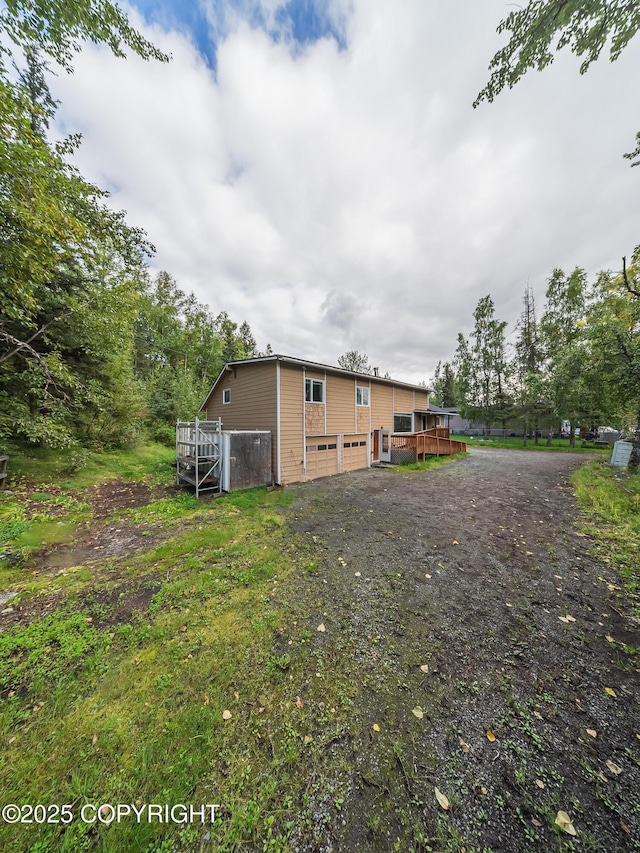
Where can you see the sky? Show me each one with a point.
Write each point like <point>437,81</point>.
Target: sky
<point>316,167</point>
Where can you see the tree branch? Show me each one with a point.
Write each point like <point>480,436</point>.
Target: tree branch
<point>626,279</point>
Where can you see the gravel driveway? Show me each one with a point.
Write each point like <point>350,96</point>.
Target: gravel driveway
<point>467,593</point>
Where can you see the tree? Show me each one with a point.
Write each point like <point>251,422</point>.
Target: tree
<point>562,328</point>
<point>528,366</point>
<point>70,268</point>
<point>444,385</point>
<point>543,27</point>
<point>613,326</point>
<point>355,361</point>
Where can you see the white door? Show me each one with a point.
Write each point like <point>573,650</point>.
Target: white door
<point>385,445</point>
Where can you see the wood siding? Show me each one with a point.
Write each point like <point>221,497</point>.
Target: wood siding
<point>381,406</point>
<point>291,419</point>
<point>341,404</point>
<point>314,418</point>
<point>402,400</point>
<point>253,401</point>
<point>422,400</point>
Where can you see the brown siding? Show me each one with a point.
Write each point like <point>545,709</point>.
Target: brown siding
<point>341,404</point>
<point>291,419</point>
<point>381,406</point>
<point>253,401</point>
<point>422,400</point>
<point>314,418</point>
<point>253,398</point>
<point>363,414</point>
<point>402,400</point>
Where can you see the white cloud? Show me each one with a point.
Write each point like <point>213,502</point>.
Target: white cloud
<point>340,199</point>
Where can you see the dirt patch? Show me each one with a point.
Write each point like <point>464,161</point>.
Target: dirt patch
<point>476,571</point>
<point>115,495</point>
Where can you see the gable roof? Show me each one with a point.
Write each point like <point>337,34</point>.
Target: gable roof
<point>313,365</point>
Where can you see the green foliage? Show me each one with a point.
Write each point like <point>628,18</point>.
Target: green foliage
<point>482,367</point>
<point>543,27</point>
<point>356,361</point>
<point>613,502</point>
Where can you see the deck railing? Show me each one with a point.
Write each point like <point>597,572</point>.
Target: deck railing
<point>429,442</point>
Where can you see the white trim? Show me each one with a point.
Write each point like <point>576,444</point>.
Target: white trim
<point>226,391</point>
<point>325,402</point>
<point>278,472</point>
<point>304,421</point>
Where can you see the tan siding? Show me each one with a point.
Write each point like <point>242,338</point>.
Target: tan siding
<point>253,398</point>
<point>381,406</point>
<point>403,400</point>
<point>341,404</point>
<point>422,400</point>
<point>314,418</point>
<point>364,418</point>
<point>253,401</point>
<point>315,374</point>
<point>291,415</point>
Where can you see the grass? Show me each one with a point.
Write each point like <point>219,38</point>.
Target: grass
<point>47,503</point>
<point>115,679</point>
<point>428,464</point>
<point>99,710</point>
<point>77,468</point>
<point>516,443</point>
<point>612,500</point>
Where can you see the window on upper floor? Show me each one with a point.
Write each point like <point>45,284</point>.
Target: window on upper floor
<point>314,391</point>
<point>226,395</point>
<point>362,395</point>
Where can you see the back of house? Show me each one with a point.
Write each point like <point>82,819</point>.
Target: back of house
<point>323,419</point>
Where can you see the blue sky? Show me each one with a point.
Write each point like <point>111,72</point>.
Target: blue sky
<point>298,22</point>
<point>317,169</point>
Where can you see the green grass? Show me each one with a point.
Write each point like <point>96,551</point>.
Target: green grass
<point>78,468</point>
<point>49,515</point>
<point>428,464</point>
<point>99,709</point>
<point>516,443</point>
<point>611,497</point>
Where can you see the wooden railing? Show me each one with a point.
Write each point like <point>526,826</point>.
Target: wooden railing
<point>430,442</point>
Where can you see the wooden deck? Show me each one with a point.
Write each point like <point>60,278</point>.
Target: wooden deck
<point>430,442</point>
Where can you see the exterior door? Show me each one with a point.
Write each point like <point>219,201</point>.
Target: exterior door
<point>385,445</point>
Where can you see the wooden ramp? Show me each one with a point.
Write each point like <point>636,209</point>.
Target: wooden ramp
<point>412,446</point>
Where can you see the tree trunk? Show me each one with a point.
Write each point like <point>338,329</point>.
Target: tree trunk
<point>550,437</point>
<point>572,435</point>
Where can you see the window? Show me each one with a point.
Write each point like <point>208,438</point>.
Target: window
<point>322,447</point>
<point>362,395</point>
<point>314,391</point>
<point>363,444</point>
<point>332,446</point>
<point>226,395</point>
<point>402,423</point>
<point>347,444</point>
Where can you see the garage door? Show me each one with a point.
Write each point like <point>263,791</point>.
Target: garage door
<point>354,452</point>
<point>322,456</point>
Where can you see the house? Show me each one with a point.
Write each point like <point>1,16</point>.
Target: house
<point>323,419</point>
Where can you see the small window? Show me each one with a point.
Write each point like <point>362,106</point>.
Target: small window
<point>347,444</point>
<point>332,446</point>
<point>362,395</point>
<point>322,447</point>
<point>363,444</point>
<point>311,448</point>
<point>226,395</point>
<point>313,391</point>
<point>402,423</point>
